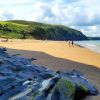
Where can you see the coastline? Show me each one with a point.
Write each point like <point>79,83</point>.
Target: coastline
<point>57,55</point>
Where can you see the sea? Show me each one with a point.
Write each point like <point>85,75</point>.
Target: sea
<point>93,45</point>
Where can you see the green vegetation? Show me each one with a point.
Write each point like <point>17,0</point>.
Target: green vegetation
<point>84,88</point>
<point>35,95</point>
<point>27,29</point>
<point>66,88</point>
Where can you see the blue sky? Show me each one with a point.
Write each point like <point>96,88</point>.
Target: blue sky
<point>83,15</point>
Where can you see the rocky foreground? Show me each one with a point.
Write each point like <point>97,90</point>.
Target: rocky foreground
<point>22,80</point>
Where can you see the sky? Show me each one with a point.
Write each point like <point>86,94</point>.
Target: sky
<point>83,15</point>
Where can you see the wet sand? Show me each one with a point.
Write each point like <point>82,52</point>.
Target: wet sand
<point>58,55</point>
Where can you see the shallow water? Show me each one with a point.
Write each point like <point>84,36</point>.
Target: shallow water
<point>92,45</point>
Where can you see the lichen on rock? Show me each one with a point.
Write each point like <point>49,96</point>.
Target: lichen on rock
<point>63,90</point>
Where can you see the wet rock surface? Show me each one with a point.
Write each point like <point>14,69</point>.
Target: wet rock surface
<point>22,80</point>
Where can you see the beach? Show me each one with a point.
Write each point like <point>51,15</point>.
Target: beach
<point>57,55</point>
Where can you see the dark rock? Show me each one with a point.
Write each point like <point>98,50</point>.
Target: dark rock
<point>81,82</point>
<point>2,61</point>
<point>32,59</point>
<point>22,80</point>
<point>3,49</point>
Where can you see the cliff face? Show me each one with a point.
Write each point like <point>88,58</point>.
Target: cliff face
<point>65,33</point>
<point>27,29</point>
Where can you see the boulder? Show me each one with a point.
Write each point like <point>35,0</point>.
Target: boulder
<point>63,90</point>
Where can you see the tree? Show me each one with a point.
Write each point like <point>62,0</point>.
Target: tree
<point>23,34</point>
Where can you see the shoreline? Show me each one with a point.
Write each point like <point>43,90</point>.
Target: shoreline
<point>92,47</point>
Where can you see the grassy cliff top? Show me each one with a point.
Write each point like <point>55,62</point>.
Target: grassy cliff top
<point>28,29</point>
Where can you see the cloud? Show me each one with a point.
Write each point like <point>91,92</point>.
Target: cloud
<point>66,13</point>
<point>8,3</point>
<point>42,11</point>
<point>89,30</point>
<point>7,16</point>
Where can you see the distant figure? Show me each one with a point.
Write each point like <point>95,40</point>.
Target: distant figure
<point>4,40</point>
<point>69,43</point>
<point>72,43</point>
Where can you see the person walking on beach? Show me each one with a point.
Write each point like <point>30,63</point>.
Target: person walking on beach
<point>72,43</point>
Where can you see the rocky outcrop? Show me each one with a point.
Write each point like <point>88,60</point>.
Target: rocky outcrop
<point>22,80</point>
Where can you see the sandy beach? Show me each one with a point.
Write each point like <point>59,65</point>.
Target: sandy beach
<point>58,55</point>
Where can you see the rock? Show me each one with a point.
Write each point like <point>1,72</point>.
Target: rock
<point>3,49</point>
<point>63,90</point>
<point>22,80</point>
<point>2,61</point>
<point>83,87</point>
<point>80,80</point>
<point>44,91</point>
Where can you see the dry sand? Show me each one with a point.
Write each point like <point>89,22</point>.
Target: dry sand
<point>58,55</point>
